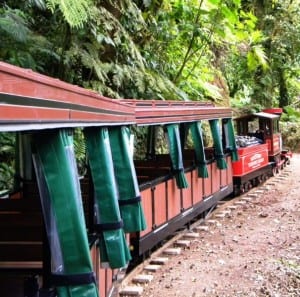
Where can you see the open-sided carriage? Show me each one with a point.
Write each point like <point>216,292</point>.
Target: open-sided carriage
<point>65,232</point>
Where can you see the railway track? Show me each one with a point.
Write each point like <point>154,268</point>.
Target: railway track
<point>132,284</point>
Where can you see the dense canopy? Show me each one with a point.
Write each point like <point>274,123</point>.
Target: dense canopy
<point>230,52</point>
<point>237,53</point>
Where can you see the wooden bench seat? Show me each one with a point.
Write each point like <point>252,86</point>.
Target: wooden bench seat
<point>21,234</point>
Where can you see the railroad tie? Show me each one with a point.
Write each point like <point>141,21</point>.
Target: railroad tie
<point>152,267</point>
<point>240,202</point>
<point>142,279</point>
<point>172,251</point>
<point>252,195</point>
<point>182,243</point>
<point>202,228</point>
<point>191,235</point>
<point>159,260</point>
<point>220,215</point>
<point>232,207</point>
<point>211,222</point>
<point>259,191</point>
<point>131,291</point>
<point>247,199</point>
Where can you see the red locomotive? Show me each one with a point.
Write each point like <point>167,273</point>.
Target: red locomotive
<point>259,148</point>
<point>63,234</point>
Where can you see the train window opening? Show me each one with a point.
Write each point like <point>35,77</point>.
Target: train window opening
<point>80,151</point>
<point>188,143</point>
<point>161,143</point>
<point>141,136</point>
<point>276,126</point>
<point>151,143</point>
<point>254,126</point>
<point>207,135</point>
<point>265,126</point>
<point>164,146</point>
<point>8,176</point>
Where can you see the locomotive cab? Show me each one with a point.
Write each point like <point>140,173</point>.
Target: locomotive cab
<point>264,128</point>
<point>259,148</point>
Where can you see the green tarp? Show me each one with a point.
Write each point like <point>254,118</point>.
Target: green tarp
<point>230,138</point>
<point>216,134</point>
<point>176,155</point>
<point>114,251</point>
<point>199,149</point>
<point>63,214</point>
<point>129,193</point>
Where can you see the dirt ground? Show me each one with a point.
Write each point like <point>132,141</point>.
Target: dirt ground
<point>253,251</point>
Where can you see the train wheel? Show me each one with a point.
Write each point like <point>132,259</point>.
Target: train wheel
<point>247,186</point>
<point>242,189</point>
<point>259,179</point>
<point>250,186</point>
<point>255,182</point>
<point>264,177</point>
<point>275,171</point>
<point>236,191</point>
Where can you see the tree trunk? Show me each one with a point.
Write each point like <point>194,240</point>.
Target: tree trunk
<point>283,91</point>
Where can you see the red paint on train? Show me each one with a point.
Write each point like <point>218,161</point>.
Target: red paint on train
<point>250,159</point>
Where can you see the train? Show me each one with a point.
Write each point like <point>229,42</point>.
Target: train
<point>69,232</point>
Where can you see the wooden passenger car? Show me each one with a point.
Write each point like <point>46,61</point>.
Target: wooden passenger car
<point>31,103</point>
<point>168,208</point>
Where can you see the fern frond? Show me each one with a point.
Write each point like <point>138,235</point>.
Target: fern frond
<point>14,24</point>
<point>257,57</point>
<point>38,3</point>
<point>261,56</point>
<point>76,12</point>
<point>107,25</point>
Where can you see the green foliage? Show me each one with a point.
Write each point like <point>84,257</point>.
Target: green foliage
<point>180,49</point>
<point>19,44</point>
<point>187,35</point>
<point>290,128</point>
<point>76,12</point>
<point>291,135</point>
<point>140,142</point>
<point>161,145</point>
<point>7,155</point>
<point>13,23</point>
<point>6,178</point>
<point>80,151</point>
<point>257,57</point>
<point>274,58</point>
<point>290,115</point>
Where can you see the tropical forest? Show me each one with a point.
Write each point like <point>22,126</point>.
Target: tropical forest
<point>238,53</point>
